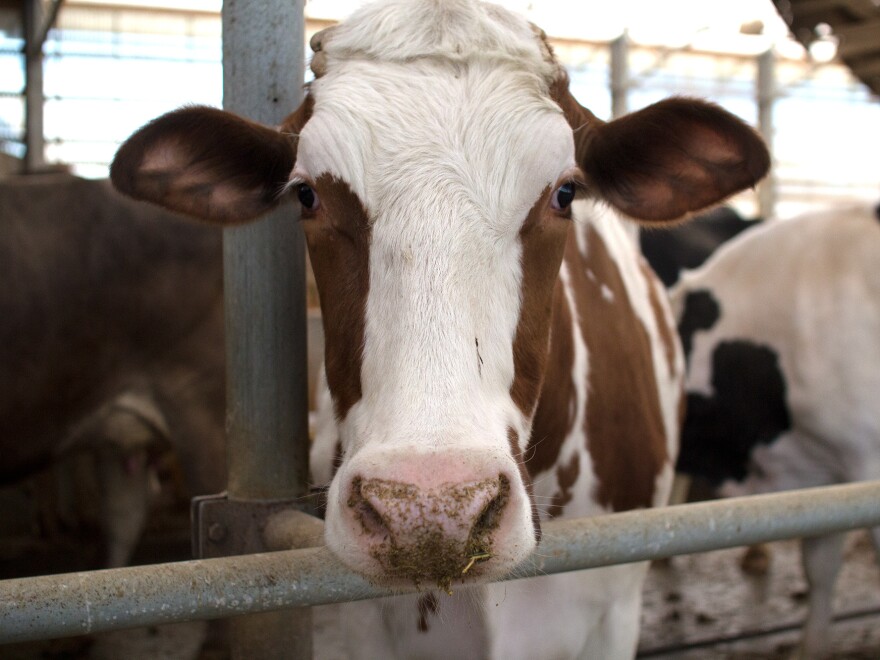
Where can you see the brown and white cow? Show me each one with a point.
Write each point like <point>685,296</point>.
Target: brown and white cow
<point>496,351</point>
<point>111,342</point>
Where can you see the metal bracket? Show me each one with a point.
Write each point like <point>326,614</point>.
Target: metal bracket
<point>222,527</point>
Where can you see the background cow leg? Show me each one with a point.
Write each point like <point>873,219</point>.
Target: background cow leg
<point>127,433</point>
<point>822,557</point>
<point>124,480</point>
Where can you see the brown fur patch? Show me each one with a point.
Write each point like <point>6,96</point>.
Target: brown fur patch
<point>177,161</point>
<point>543,239</point>
<point>666,334</point>
<point>296,120</point>
<point>567,475</point>
<point>554,416</point>
<point>624,425</point>
<point>338,236</point>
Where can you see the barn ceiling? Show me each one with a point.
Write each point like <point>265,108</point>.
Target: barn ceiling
<point>854,23</point>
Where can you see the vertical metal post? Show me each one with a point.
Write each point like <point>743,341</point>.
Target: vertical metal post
<point>766,94</point>
<point>33,92</point>
<point>620,82</point>
<point>620,85</point>
<point>267,405</point>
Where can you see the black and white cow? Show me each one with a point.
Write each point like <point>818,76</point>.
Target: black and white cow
<point>781,329</point>
<point>671,250</point>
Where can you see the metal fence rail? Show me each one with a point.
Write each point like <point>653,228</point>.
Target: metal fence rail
<point>79,603</point>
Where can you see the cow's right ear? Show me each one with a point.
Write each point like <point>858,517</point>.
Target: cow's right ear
<point>208,163</point>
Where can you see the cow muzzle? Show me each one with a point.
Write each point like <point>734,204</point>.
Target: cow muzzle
<point>409,523</point>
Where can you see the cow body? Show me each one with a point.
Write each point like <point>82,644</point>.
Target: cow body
<point>111,342</point>
<point>781,330</point>
<point>671,250</point>
<point>496,352</point>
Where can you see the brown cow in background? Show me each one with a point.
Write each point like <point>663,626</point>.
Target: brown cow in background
<point>111,343</point>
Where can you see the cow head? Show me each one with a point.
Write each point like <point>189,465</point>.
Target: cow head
<point>436,158</point>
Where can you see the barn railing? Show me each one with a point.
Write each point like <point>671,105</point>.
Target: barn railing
<point>97,601</point>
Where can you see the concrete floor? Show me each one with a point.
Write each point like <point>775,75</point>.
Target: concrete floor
<point>695,602</point>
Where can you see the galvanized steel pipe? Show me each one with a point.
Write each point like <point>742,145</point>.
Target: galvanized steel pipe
<point>265,305</point>
<point>78,603</point>
<point>264,271</point>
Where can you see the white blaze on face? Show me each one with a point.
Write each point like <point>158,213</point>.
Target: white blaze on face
<point>448,161</point>
<point>448,153</point>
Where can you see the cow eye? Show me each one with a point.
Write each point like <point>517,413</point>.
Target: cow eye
<point>307,197</point>
<point>563,196</point>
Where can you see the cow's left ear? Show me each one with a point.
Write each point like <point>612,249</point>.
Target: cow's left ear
<point>668,160</point>
<point>209,164</point>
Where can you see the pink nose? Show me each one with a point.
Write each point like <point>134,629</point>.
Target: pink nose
<point>428,534</point>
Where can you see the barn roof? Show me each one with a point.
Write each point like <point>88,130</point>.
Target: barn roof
<point>855,23</point>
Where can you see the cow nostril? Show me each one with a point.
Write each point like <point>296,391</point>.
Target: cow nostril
<point>489,518</point>
<point>371,520</point>
<point>491,515</point>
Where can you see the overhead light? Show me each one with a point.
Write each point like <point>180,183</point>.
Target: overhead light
<point>823,49</point>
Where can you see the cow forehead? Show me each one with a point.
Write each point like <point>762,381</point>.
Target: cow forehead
<point>450,96</point>
<point>406,31</point>
<point>396,132</point>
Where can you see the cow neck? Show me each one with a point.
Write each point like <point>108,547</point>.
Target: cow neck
<point>623,423</point>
